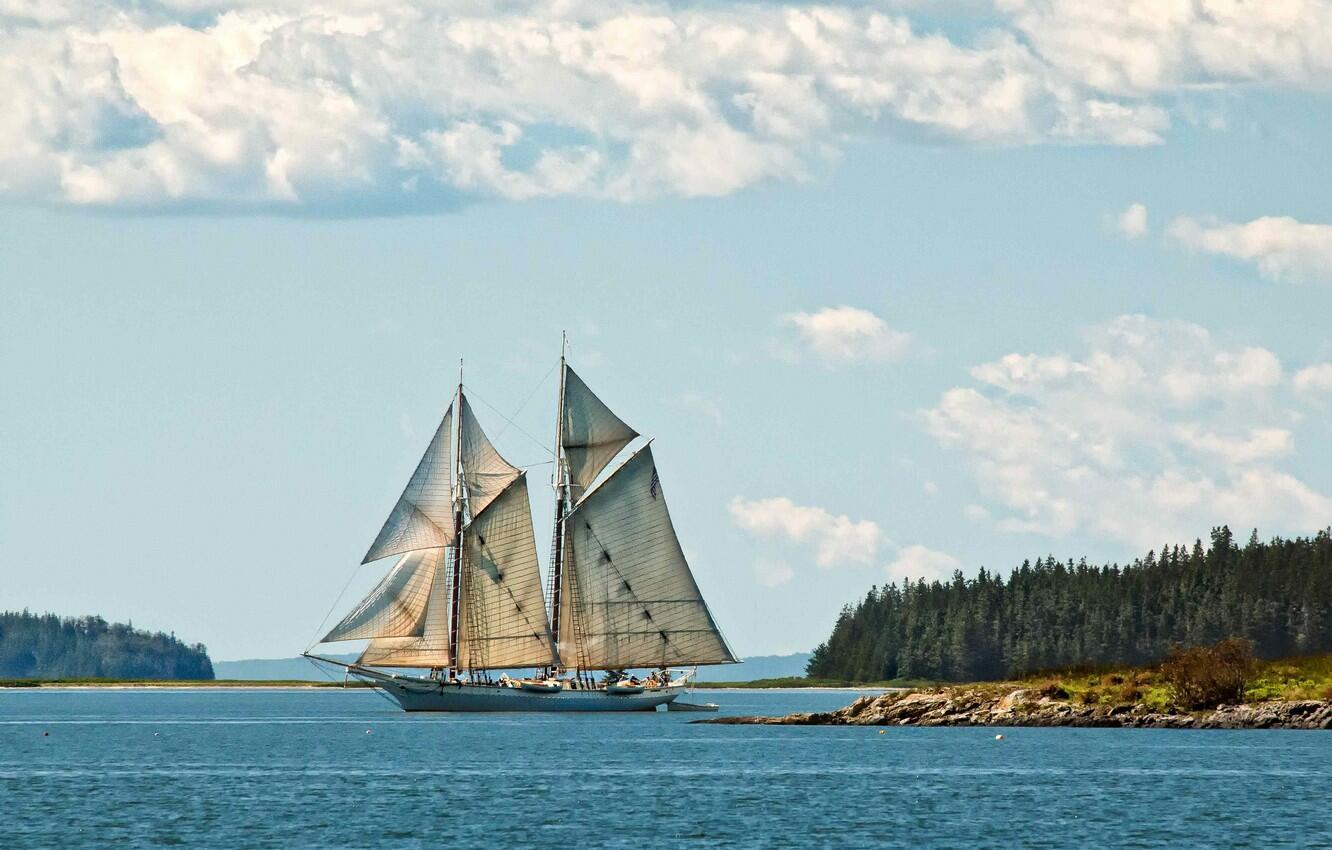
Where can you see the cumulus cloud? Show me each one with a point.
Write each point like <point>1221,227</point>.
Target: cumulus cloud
<point>1281,247</point>
<point>916,562</point>
<point>845,335</point>
<point>1154,433</point>
<point>1141,47</point>
<point>345,104</point>
<point>836,539</point>
<point>1132,222</point>
<point>1314,380</point>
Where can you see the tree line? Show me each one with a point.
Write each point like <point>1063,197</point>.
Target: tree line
<point>44,646</point>
<point>1051,614</point>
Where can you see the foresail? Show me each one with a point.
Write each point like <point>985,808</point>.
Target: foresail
<point>590,433</point>
<point>397,605</point>
<point>627,583</point>
<point>484,471</point>
<point>504,620</point>
<point>431,647</point>
<point>423,516</point>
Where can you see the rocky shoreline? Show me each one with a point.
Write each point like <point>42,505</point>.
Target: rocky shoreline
<point>1027,707</point>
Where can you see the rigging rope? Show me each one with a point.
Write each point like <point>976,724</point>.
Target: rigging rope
<point>320,628</point>
<point>509,421</point>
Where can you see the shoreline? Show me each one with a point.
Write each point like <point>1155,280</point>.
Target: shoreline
<point>1024,706</point>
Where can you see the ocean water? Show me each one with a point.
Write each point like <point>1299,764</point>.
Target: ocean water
<point>333,768</point>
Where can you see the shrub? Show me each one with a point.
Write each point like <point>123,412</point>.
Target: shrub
<point>1053,690</point>
<point>1091,696</point>
<point>1207,676</point>
<point>1130,692</point>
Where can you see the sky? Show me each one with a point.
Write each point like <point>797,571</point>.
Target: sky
<point>898,289</point>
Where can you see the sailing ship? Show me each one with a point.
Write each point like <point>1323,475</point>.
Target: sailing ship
<point>464,603</point>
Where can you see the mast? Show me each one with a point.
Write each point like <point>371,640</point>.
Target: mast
<point>454,606</point>
<point>561,506</point>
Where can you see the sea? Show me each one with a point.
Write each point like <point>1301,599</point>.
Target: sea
<point>234,768</point>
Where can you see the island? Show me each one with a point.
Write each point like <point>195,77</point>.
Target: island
<point>44,647</point>
<point>1217,687</point>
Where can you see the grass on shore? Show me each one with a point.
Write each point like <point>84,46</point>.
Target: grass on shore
<point>1300,678</point>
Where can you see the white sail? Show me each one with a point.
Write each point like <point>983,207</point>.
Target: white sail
<point>429,648</point>
<point>423,516</point>
<point>484,471</point>
<point>590,433</point>
<point>629,598</point>
<point>504,621</point>
<point>397,605</point>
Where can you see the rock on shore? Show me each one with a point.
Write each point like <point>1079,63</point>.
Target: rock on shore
<point>1022,707</point>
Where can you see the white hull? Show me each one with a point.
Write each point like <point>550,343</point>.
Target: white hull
<point>417,694</point>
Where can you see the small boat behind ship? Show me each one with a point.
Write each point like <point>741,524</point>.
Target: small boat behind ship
<point>463,604</point>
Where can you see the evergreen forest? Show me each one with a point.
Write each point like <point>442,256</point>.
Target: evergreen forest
<point>44,646</point>
<point>1054,614</point>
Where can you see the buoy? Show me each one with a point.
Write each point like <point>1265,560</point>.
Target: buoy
<point>367,731</point>
<point>46,734</point>
<point>998,737</point>
<point>881,731</point>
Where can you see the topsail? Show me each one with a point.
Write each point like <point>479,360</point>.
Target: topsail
<point>591,435</point>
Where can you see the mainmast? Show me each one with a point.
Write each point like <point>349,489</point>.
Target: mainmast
<point>456,584</point>
<point>561,485</point>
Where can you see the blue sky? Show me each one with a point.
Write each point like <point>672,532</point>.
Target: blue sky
<point>887,314</point>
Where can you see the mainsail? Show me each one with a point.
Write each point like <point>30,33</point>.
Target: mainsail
<point>423,516</point>
<point>505,613</point>
<point>591,435</point>
<point>628,589</point>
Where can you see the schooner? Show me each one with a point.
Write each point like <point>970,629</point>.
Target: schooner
<point>464,601</point>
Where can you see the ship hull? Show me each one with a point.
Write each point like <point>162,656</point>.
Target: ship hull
<point>416,694</point>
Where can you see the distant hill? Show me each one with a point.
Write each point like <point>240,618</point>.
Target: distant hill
<point>300,669</point>
<point>276,669</point>
<point>44,646</point>
<point>1054,615</point>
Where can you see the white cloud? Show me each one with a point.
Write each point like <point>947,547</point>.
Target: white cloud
<point>347,105</point>
<point>1139,47</point>
<point>1132,222</point>
<point>1155,433</point>
<point>929,488</point>
<point>1281,247</point>
<point>916,561</point>
<point>1313,380</point>
<point>772,573</point>
<point>836,539</point>
<point>844,335</point>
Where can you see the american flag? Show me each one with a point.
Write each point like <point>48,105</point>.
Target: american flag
<point>652,488</point>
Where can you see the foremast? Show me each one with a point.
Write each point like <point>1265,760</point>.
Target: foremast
<point>560,482</point>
